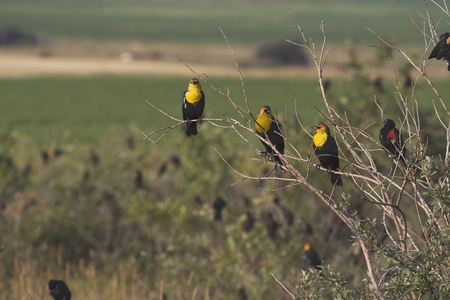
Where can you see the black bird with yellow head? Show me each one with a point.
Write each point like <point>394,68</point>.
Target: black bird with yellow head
<point>326,150</point>
<point>193,106</point>
<point>270,128</point>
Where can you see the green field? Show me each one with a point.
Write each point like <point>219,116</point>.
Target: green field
<point>69,109</point>
<point>59,110</point>
<point>186,22</point>
<point>78,109</point>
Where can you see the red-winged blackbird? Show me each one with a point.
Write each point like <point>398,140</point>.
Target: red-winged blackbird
<point>193,106</point>
<point>310,256</point>
<point>266,124</point>
<point>59,290</point>
<point>392,140</point>
<point>442,49</point>
<point>326,150</point>
<point>218,205</point>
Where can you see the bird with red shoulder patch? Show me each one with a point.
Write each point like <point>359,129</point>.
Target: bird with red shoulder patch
<point>392,140</point>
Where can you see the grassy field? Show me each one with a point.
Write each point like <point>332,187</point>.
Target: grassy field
<point>198,22</point>
<point>80,109</point>
<point>69,109</point>
<point>60,110</point>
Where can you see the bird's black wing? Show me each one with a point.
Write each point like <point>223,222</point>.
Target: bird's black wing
<point>438,51</point>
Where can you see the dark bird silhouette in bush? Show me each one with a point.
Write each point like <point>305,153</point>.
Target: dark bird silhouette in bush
<point>138,179</point>
<point>59,290</point>
<point>218,206</point>
<point>249,222</point>
<point>270,223</point>
<point>326,150</point>
<point>48,154</point>
<point>392,140</point>
<point>241,294</point>
<point>287,214</point>
<point>442,49</point>
<point>305,226</point>
<point>193,106</point>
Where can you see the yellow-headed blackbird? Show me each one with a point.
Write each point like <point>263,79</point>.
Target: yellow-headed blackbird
<point>326,150</point>
<point>310,256</point>
<point>442,49</point>
<point>46,155</point>
<point>266,124</point>
<point>391,139</point>
<point>59,290</point>
<point>218,205</point>
<point>193,106</point>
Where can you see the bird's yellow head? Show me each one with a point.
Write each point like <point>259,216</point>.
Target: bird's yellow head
<point>194,91</point>
<point>264,120</point>
<point>321,134</point>
<point>306,246</point>
<point>194,84</point>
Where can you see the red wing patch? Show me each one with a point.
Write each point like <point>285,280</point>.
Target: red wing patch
<point>448,41</point>
<point>392,136</point>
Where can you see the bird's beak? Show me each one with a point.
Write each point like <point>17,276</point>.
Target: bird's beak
<point>314,127</point>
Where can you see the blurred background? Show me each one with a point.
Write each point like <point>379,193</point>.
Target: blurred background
<point>83,199</point>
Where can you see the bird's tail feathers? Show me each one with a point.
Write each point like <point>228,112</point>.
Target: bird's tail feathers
<point>191,129</point>
<point>336,179</point>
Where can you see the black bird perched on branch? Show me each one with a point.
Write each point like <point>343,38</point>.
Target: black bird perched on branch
<point>326,150</point>
<point>266,124</point>
<point>392,140</point>
<point>59,290</point>
<point>442,49</point>
<point>193,106</point>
